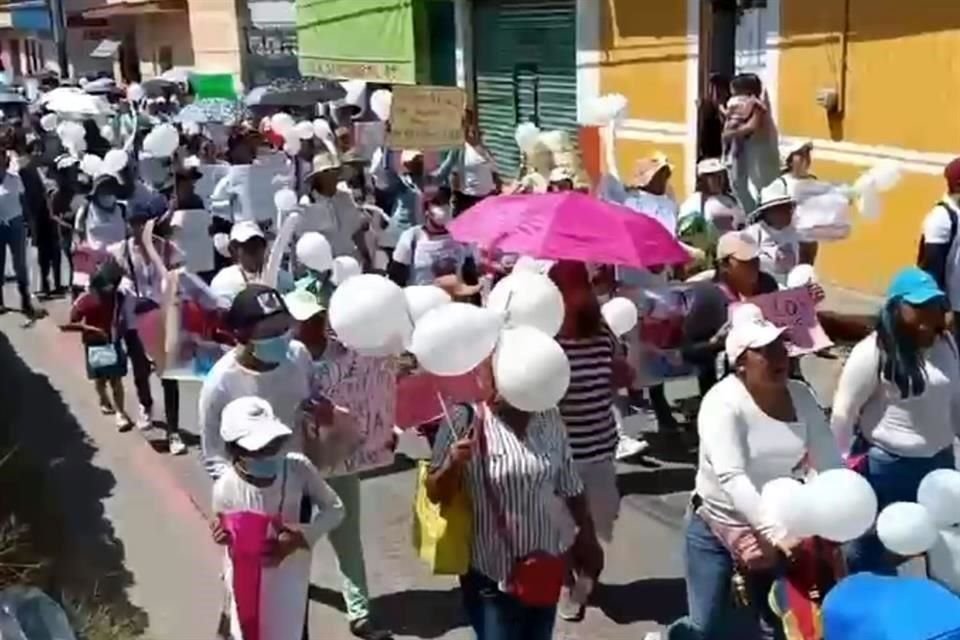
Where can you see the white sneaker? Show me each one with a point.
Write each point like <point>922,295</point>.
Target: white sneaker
<point>145,420</point>
<point>124,423</point>
<point>176,445</point>
<point>628,447</point>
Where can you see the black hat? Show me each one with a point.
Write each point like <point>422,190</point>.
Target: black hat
<point>261,310</point>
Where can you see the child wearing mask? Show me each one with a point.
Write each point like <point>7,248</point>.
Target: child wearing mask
<point>98,315</point>
<point>428,251</point>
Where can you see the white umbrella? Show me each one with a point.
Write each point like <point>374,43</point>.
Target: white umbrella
<point>75,101</point>
<point>180,75</point>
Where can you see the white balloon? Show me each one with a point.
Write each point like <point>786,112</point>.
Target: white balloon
<point>115,161</point>
<point>304,130</point>
<point>345,267</point>
<point>526,136</point>
<point>107,132</point>
<point>801,275</point>
<point>620,315</point>
<point>423,298</point>
<point>313,251</point>
<point>944,559</point>
<point>786,501</point>
<point>221,242</point>
<point>135,93</point>
<point>285,200</point>
<point>71,132</point>
<point>292,145</point>
<point>321,129</point>
<point>454,338</point>
<point>906,529</point>
<point>368,311</point>
<point>49,121</point>
<point>282,123</point>
<point>843,505</point>
<point>381,101</point>
<point>91,165</point>
<point>162,141</point>
<point>529,299</point>
<point>533,265</point>
<point>939,492</point>
<point>530,369</point>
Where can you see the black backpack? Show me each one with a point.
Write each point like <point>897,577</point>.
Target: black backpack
<point>921,249</point>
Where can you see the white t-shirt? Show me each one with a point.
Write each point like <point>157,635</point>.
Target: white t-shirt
<point>936,230</point>
<point>478,168</point>
<point>231,280</point>
<point>103,228</point>
<point>714,208</point>
<point>779,249</point>
<point>431,251</point>
<point>915,427</point>
<point>285,387</point>
<point>742,449</point>
<point>11,189</point>
<point>336,217</point>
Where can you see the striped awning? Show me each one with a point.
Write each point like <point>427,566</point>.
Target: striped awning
<point>134,8</point>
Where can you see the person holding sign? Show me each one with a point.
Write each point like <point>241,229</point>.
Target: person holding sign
<point>897,403</point>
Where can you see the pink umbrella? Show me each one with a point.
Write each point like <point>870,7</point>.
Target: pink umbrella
<point>568,226</point>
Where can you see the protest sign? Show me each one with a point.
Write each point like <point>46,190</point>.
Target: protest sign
<point>418,396</point>
<point>366,386</point>
<point>426,118</point>
<point>794,309</point>
<point>212,174</point>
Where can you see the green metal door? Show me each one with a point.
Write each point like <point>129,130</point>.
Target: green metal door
<point>526,71</point>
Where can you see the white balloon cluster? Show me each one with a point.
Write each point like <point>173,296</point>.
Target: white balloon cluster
<point>527,135</point>
<point>73,137</point>
<point>605,109</point>
<point>837,505</point>
<point>939,494</point>
<point>381,102</point>
<point>876,181</point>
<point>525,310</point>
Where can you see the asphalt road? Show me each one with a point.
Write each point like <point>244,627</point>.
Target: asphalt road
<point>140,524</point>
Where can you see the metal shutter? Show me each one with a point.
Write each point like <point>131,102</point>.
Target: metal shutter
<point>525,66</point>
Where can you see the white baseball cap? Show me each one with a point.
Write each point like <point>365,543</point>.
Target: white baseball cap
<point>249,422</point>
<point>244,231</point>
<point>749,330</point>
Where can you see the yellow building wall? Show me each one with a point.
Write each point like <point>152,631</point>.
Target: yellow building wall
<point>216,37</point>
<point>155,31</point>
<point>902,63</point>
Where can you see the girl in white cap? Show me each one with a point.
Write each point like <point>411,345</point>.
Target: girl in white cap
<point>262,480</point>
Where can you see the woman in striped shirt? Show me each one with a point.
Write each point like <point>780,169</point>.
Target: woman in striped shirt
<point>519,471</point>
<point>587,409</point>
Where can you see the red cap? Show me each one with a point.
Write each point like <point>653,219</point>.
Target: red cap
<point>952,174</point>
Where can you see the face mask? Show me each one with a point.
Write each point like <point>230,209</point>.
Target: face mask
<point>107,201</point>
<point>262,468</point>
<point>440,214</point>
<point>271,350</point>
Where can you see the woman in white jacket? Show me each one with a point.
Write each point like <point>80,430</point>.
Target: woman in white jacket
<point>897,404</point>
<point>755,425</point>
<point>265,482</point>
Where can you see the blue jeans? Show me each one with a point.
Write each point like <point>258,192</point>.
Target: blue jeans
<point>495,615</point>
<point>713,614</point>
<point>13,235</point>
<point>894,479</point>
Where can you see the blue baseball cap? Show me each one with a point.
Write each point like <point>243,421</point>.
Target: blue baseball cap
<point>914,286</point>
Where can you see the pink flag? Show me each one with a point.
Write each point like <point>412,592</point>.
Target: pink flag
<point>248,542</point>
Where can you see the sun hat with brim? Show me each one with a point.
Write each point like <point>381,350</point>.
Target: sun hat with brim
<point>250,423</point>
<point>352,156</point>
<point>709,166</point>
<point>737,245</point>
<point>914,286</point>
<point>104,179</point>
<point>455,287</point>
<point>244,231</point>
<point>647,168</point>
<point>796,146</point>
<point>750,332</point>
<point>303,304</point>
<point>323,162</point>
<point>776,194</point>
<point>259,309</point>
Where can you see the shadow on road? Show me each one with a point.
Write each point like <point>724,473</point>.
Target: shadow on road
<point>656,482</point>
<point>61,492</point>
<point>403,612</point>
<point>661,600</point>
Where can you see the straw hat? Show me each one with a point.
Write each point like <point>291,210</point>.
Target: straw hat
<point>647,168</point>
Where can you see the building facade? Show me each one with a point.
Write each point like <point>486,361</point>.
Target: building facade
<point>865,80</point>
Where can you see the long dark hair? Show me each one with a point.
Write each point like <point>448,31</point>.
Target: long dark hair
<point>900,359</point>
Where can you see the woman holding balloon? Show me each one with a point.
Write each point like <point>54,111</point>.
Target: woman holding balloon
<point>897,404</point>
<point>756,425</point>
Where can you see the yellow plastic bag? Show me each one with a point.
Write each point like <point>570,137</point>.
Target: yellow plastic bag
<point>442,534</point>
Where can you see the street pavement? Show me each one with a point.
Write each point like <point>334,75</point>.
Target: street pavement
<point>145,512</point>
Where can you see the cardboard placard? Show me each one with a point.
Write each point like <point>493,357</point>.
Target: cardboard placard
<point>426,118</point>
<point>794,309</point>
